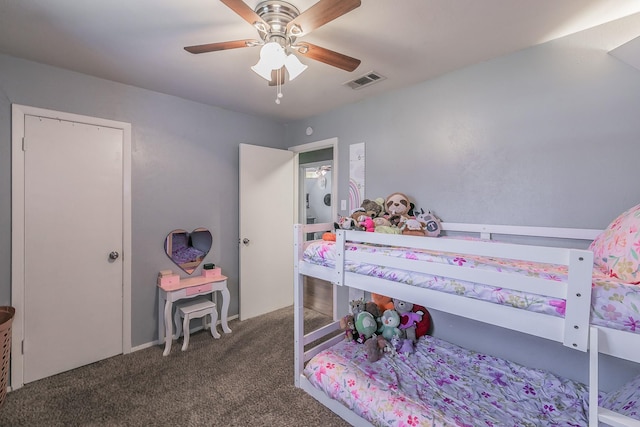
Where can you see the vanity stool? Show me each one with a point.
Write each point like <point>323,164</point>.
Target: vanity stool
<point>198,308</point>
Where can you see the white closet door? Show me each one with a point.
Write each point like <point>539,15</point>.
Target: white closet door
<point>73,220</point>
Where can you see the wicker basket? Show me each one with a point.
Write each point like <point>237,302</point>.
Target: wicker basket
<point>6,319</point>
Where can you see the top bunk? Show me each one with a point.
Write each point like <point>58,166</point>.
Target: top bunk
<point>505,284</point>
<point>541,289</point>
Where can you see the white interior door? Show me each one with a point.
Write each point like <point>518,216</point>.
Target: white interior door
<point>266,225</point>
<point>73,204</point>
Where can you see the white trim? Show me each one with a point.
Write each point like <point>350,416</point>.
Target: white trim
<point>17,227</point>
<point>161,343</point>
<point>314,146</point>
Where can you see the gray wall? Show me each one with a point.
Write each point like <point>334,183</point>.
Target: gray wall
<point>184,170</point>
<point>548,136</point>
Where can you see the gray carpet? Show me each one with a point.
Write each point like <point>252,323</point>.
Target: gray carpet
<point>243,379</point>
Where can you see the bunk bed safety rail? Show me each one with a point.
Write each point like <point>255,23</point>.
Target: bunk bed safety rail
<point>486,231</point>
<point>540,254</point>
<point>576,292</point>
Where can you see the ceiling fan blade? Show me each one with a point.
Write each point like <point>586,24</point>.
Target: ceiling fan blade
<point>212,47</point>
<point>327,56</point>
<point>274,77</point>
<point>245,12</point>
<point>320,13</point>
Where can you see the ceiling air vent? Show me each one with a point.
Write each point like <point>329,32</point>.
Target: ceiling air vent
<point>366,80</point>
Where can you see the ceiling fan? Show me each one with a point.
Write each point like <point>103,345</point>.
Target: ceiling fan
<point>279,25</point>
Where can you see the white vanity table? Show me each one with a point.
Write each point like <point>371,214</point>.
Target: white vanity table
<point>189,288</point>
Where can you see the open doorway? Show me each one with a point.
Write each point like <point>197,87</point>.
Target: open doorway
<point>316,192</point>
<point>315,197</point>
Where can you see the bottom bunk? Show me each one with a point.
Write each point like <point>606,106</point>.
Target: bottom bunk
<point>441,384</point>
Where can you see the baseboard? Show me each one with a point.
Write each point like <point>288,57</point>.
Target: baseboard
<point>157,342</point>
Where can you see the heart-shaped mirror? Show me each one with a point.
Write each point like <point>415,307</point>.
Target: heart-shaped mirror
<point>186,249</point>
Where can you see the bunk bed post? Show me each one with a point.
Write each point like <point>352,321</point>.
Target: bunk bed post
<point>340,301</point>
<point>340,243</point>
<point>578,303</point>
<point>298,304</point>
<point>593,376</point>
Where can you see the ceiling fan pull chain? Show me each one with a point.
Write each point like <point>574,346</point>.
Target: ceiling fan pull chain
<point>278,85</point>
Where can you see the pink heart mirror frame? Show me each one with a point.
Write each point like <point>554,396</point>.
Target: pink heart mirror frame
<point>188,250</point>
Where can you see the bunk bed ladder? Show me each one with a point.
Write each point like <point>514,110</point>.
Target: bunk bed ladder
<point>298,305</point>
<point>598,413</point>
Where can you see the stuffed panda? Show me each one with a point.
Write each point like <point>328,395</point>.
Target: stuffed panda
<point>398,204</point>
<point>398,209</point>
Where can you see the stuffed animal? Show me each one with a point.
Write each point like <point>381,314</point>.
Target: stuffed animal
<point>358,215</point>
<point>345,223</point>
<point>367,224</point>
<point>357,306</point>
<point>348,325</point>
<point>372,308</point>
<point>383,302</point>
<point>373,208</point>
<point>387,229</point>
<point>383,225</point>
<point>406,346</point>
<point>389,323</point>
<point>366,326</point>
<point>412,227</point>
<point>408,318</point>
<point>398,204</point>
<point>422,328</point>
<point>381,221</point>
<point>329,236</point>
<point>375,348</point>
<point>432,225</point>
<point>396,221</point>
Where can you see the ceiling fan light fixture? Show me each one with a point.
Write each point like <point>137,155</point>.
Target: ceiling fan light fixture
<point>272,57</point>
<point>262,70</point>
<point>294,66</point>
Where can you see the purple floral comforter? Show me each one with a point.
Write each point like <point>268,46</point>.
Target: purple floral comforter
<point>613,304</point>
<point>441,384</point>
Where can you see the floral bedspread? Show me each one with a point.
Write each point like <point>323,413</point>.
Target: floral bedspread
<point>441,384</point>
<point>613,304</point>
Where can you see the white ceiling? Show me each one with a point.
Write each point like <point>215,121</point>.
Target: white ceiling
<point>140,43</point>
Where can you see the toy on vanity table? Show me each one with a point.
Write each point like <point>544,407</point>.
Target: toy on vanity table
<point>173,288</point>
<point>210,270</point>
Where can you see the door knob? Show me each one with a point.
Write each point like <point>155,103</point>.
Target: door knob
<point>114,255</point>
<point>245,241</point>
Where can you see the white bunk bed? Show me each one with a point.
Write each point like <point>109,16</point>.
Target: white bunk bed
<point>573,329</point>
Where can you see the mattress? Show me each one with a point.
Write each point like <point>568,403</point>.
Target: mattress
<point>613,304</point>
<point>441,384</point>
